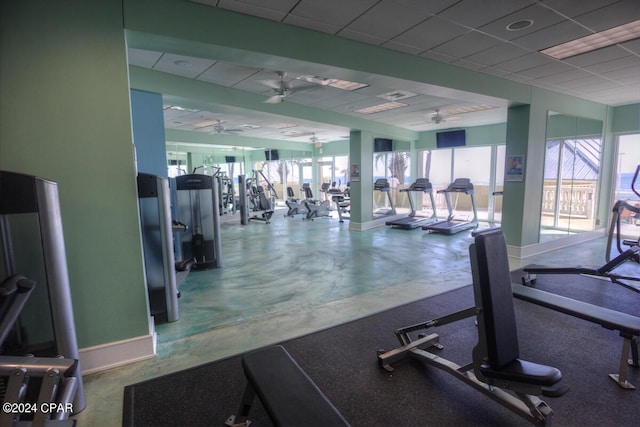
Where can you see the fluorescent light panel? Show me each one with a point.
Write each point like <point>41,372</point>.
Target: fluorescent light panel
<point>206,122</point>
<point>178,108</point>
<point>381,107</point>
<point>469,109</point>
<point>282,126</point>
<point>347,85</point>
<point>338,84</point>
<point>595,41</point>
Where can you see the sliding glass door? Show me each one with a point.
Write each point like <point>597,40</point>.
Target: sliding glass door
<point>571,175</point>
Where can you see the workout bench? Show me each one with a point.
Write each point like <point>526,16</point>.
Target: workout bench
<point>496,369</point>
<point>628,325</point>
<point>289,396</point>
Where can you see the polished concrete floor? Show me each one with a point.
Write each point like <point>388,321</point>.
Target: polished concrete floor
<point>292,277</point>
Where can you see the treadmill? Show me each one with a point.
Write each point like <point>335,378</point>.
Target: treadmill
<point>414,220</point>
<point>451,225</point>
<point>382,185</point>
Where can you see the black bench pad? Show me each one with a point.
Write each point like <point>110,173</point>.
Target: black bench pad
<point>290,397</point>
<point>524,372</point>
<point>610,319</point>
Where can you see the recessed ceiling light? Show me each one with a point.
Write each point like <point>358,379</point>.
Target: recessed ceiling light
<point>595,41</point>
<point>381,107</point>
<point>520,25</point>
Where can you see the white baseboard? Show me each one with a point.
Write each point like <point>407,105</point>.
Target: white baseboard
<point>111,355</point>
<point>551,245</point>
<point>362,226</point>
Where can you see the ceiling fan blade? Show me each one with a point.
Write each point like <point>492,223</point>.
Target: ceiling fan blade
<point>275,99</point>
<point>273,84</point>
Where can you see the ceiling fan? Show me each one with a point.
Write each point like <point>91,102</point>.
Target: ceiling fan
<point>438,118</point>
<point>280,89</point>
<point>315,140</point>
<point>218,128</point>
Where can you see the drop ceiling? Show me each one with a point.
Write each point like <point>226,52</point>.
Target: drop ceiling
<point>472,34</point>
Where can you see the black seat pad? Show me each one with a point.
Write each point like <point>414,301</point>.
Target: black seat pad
<point>524,372</point>
<point>288,394</point>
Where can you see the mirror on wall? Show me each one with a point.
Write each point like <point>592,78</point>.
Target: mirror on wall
<point>272,169</point>
<point>223,162</point>
<point>572,168</point>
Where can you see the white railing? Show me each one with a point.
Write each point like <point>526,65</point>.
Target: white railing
<point>576,201</point>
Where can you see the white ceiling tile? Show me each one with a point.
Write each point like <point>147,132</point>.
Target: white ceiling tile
<point>597,56</point>
<point>438,56</point>
<point>402,47</point>
<point>550,36</point>
<point>561,78</point>
<point>467,44</point>
<point>632,45</point>
<point>143,58</point>
<point>227,74</point>
<point>386,20</point>
<point>524,62</point>
<point>548,69</point>
<point>622,73</point>
<point>614,64</point>
<point>497,54</point>
<point>476,13</point>
<point>361,37</point>
<point>572,8</point>
<point>332,12</point>
<point>610,16</point>
<point>431,7</point>
<point>272,10</point>
<point>312,24</point>
<point>541,17</point>
<point>430,33</point>
<point>185,66</point>
<point>409,27</point>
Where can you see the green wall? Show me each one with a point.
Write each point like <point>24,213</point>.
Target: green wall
<point>626,118</point>
<point>66,117</point>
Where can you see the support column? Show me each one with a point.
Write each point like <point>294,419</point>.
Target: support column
<point>361,158</point>
<point>526,127</point>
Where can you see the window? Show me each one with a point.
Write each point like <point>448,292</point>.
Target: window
<point>571,173</point>
<point>393,166</point>
<point>484,166</point>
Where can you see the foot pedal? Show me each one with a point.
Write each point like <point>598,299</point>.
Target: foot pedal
<point>554,391</point>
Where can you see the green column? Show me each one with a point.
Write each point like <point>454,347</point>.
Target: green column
<point>361,155</point>
<point>522,199</point>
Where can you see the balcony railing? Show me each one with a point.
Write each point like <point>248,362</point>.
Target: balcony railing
<point>576,201</point>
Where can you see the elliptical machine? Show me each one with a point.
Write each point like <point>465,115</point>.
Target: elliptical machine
<point>614,228</point>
